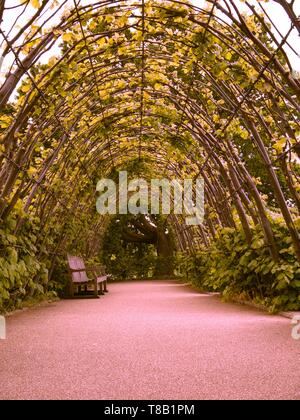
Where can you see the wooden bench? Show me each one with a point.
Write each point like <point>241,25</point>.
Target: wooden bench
<point>83,276</point>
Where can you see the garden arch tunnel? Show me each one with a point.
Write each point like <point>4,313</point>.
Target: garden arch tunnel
<point>192,91</point>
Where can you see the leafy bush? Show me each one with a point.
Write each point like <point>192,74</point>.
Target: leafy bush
<point>125,260</point>
<point>60,277</point>
<point>237,270</point>
<point>22,275</point>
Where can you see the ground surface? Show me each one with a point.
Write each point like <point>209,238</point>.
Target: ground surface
<point>149,340</point>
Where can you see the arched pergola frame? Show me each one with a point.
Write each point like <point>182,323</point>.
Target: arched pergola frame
<point>187,89</point>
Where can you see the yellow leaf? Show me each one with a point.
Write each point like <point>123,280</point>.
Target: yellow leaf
<point>93,25</point>
<point>25,88</point>
<point>67,37</point>
<point>104,95</point>
<point>228,56</point>
<point>147,96</point>
<point>5,121</point>
<point>31,171</point>
<point>280,144</point>
<point>109,18</point>
<point>31,96</point>
<point>101,42</point>
<point>244,135</point>
<point>178,19</point>
<point>35,4</point>
<point>121,85</point>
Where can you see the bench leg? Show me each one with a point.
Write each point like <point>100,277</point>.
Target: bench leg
<point>105,287</point>
<point>101,289</point>
<point>71,290</point>
<point>95,288</point>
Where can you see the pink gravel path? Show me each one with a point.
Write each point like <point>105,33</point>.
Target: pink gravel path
<point>149,340</point>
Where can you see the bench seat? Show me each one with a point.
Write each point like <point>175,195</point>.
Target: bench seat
<point>82,275</point>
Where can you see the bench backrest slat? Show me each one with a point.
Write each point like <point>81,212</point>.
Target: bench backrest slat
<point>77,263</point>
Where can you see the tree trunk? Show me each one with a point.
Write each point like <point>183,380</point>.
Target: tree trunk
<point>165,254</point>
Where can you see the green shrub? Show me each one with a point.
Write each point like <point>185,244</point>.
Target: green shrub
<point>22,275</point>
<point>235,269</point>
<point>125,260</point>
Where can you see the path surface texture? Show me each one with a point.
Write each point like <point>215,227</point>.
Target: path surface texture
<point>148,340</point>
